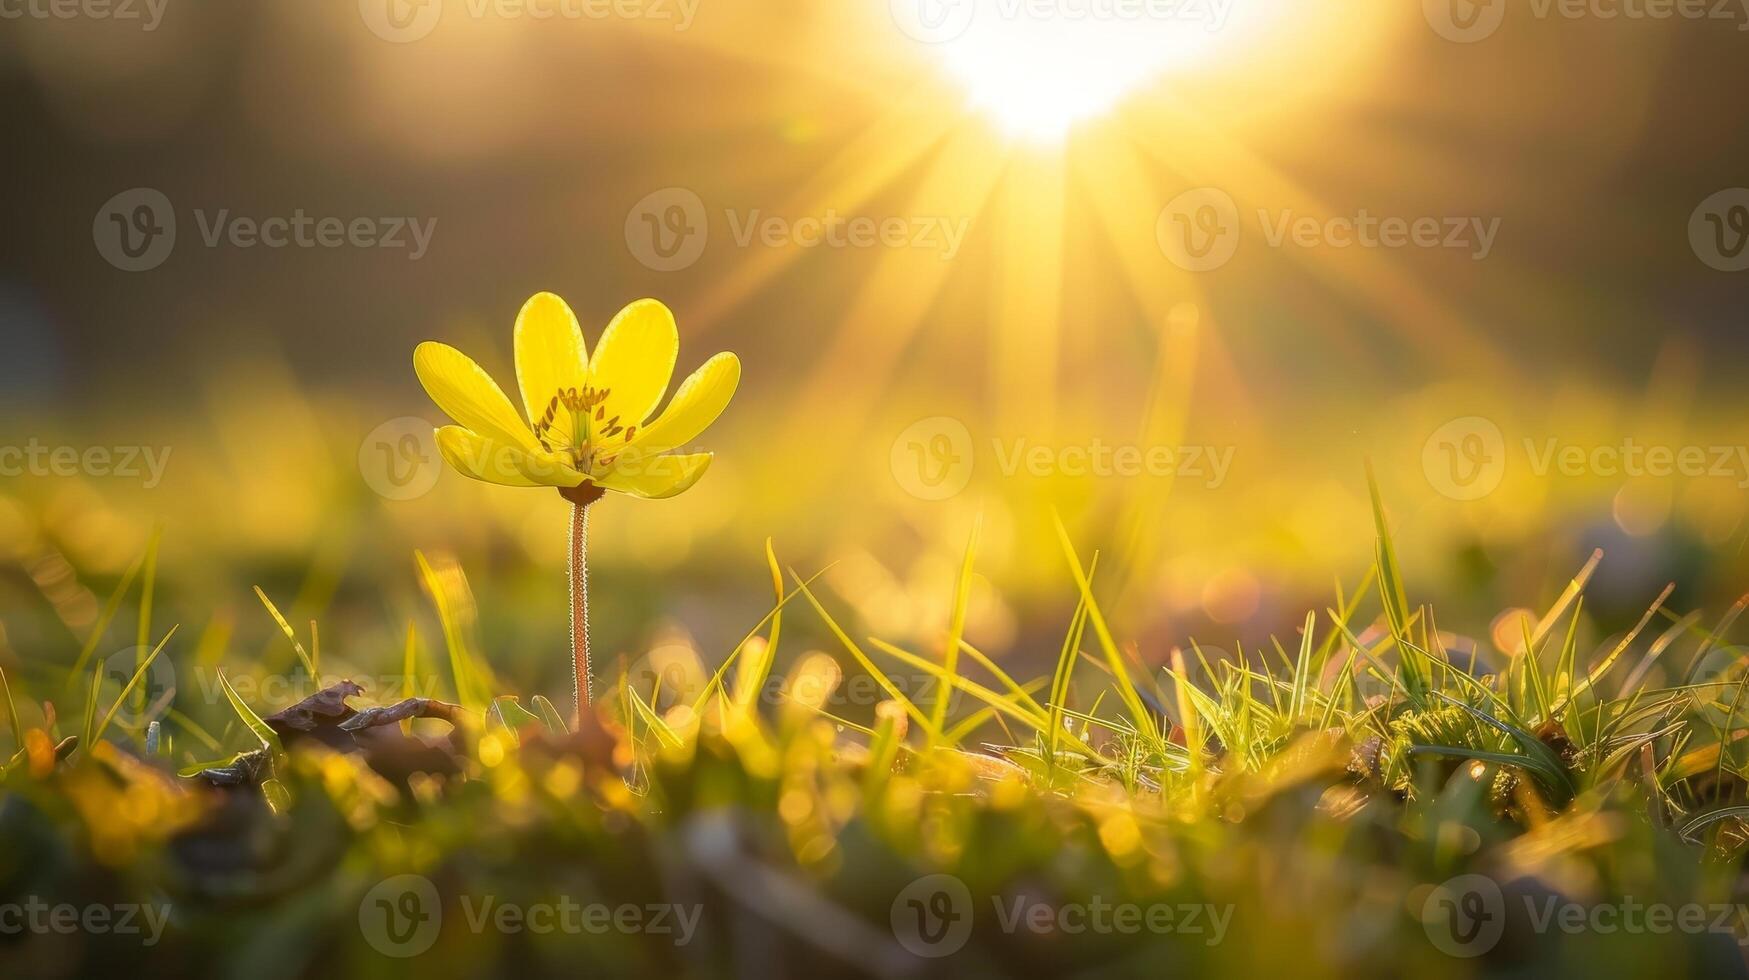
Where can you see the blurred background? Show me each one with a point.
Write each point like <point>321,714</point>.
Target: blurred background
<point>1177,271</point>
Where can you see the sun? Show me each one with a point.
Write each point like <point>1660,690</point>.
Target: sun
<point>1039,67</point>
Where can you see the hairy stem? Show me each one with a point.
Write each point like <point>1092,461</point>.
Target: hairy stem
<point>579,608</point>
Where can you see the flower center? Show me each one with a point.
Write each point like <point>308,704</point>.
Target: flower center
<point>585,438</point>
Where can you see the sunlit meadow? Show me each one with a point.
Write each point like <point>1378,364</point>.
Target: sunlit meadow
<point>929,487</point>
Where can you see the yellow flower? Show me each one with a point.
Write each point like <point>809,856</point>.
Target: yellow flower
<point>588,427</point>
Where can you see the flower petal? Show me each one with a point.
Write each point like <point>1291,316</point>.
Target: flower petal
<point>469,395</point>
<point>635,361</point>
<point>550,355</point>
<point>482,458</point>
<point>695,405</point>
<point>655,476</point>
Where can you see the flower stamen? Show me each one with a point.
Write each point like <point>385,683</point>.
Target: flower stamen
<point>580,404</point>
<point>544,424</point>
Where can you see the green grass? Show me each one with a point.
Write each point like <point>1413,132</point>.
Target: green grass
<point>1312,795</point>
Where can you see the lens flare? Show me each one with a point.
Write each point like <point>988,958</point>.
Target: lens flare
<point>1038,68</point>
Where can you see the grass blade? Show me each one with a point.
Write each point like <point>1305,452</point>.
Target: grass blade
<point>868,665</point>
<point>266,735</point>
<point>1126,688</point>
<point>755,667</point>
<point>555,722</point>
<point>1302,671</point>
<point>1712,817</point>
<point>110,607</point>
<point>1411,661</point>
<point>11,712</point>
<point>471,685</point>
<point>133,682</point>
<point>1066,658</point>
<point>956,629</point>
<point>286,628</point>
